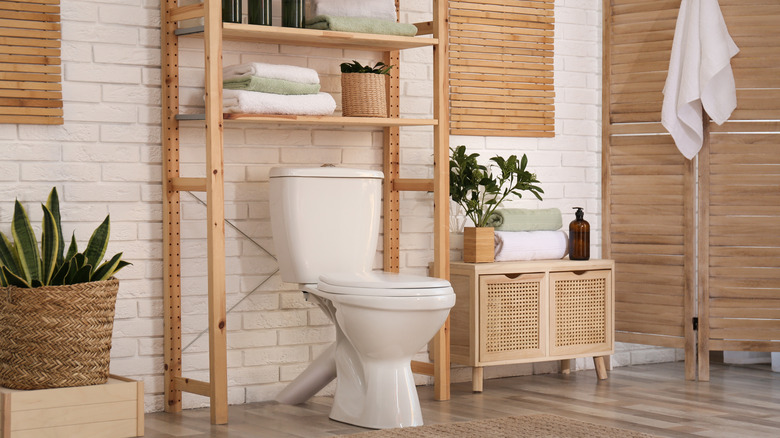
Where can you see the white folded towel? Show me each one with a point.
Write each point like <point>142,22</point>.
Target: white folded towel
<point>530,245</point>
<point>254,102</point>
<point>382,9</point>
<point>271,71</point>
<point>699,74</point>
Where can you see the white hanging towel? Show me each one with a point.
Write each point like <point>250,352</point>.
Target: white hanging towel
<point>699,74</point>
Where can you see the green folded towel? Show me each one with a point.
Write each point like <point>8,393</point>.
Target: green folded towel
<point>523,219</point>
<point>361,25</point>
<point>267,85</point>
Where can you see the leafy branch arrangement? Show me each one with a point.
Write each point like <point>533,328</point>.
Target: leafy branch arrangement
<point>475,188</point>
<point>379,68</point>
<point>23,265</point>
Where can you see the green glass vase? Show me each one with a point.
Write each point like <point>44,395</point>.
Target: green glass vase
<point>292,13</point>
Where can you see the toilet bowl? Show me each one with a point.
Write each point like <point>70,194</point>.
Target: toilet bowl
<point>382,319</point>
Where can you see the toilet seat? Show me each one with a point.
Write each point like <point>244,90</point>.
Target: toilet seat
<point>383,284</point>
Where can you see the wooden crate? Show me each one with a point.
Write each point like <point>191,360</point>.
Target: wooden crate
<point>112,410</point>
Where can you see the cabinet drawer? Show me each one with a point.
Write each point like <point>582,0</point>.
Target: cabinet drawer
<point>581,309</point>
<point>512,316</point>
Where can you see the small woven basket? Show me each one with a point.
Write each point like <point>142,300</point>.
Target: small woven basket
<point>56,336</point>
<point>363,95</point>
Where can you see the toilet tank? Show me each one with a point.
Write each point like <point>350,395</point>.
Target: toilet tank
<point>324,220</point>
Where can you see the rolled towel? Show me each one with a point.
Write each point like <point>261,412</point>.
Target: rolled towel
<point>291,73</point>
<point>253,102</point>
<point>530,245</point>
<point>266,85</point>
<point>361,25</point>
<point>382,9</point>
<point>523,219</point>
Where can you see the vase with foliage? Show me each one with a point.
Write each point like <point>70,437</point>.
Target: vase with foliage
<point>56,305</point>
<point>480,189</point>
<point>364,89</point>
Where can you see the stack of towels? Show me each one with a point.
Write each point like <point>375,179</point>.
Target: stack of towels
<point>526,234</point>
<point>362,16</point>
<point>260,88</point>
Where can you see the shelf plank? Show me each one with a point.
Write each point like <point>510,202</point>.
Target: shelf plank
<point>317,120</point>
<point>321,38</point>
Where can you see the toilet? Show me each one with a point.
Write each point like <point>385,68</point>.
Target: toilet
<point>325,224</point>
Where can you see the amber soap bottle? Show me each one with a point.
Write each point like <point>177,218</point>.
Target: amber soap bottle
<point>579,237</point>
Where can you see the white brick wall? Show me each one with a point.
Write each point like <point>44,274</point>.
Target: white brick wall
<point>106,158</point>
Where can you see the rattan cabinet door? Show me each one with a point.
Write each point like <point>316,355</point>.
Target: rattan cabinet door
<point>581,312</point>
<point>512,317</point>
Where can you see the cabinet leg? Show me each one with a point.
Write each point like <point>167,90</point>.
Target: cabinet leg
<point>477,377</point>
<point>601,368</point>
<point>566,366</point>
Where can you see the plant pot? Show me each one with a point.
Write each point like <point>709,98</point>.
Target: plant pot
<point>478,245</point>
<point>363,95</point>
<point>56,336</point>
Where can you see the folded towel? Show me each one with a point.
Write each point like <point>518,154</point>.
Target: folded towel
<point>361,25</point>
<point>266,85</point>
<point>699,74</point>
<point>271,71</point>
<point>253,102</point>
<point>530,245</point>
<point>524,219</point>
<point>382,9</point>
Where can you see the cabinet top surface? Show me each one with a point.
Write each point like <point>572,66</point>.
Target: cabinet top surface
<point>533,265</point>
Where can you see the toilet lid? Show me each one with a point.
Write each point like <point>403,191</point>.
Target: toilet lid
<point>383,284</point>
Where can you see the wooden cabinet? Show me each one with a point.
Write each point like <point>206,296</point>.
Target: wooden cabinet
<point>519,312</point>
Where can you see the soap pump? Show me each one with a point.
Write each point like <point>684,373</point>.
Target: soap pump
<point>579,237</point>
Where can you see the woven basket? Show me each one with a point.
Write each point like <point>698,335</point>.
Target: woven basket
<point>56,336</point>
<point>363,95</point>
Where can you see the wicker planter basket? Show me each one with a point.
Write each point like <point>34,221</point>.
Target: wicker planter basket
<point>363,95</point>
<point>56,336</point>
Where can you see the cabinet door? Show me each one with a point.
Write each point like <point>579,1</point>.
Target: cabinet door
<point>512,323</point>
<point>581,313</point>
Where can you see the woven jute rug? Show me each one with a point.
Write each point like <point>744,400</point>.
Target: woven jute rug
<point>531,426</point>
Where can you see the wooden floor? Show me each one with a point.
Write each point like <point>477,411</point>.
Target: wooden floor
<point>739,401</point>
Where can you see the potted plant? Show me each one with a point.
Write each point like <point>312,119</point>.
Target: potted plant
<point>364,89</point>
<point>479,192</point>
<point>56,306</point>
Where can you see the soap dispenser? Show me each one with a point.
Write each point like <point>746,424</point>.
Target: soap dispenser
<point>579,237</point>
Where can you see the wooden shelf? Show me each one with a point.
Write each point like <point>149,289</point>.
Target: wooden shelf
<point>316,120</point>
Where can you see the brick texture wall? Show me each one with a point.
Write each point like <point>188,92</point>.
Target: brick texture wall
<point>106,158</point>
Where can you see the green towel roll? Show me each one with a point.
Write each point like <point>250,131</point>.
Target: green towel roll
<point>361,25</point>
<point>524,219</point>
<point>268,85</point>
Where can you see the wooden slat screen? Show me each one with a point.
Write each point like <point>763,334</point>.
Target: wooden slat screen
<point>501,68</point>
<point>739,174</point>
<point>30,70</point>
<point>648,186</point>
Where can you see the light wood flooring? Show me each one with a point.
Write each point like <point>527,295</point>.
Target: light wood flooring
<point>739,401</point>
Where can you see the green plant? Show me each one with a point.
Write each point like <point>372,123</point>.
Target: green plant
<point>475,188</point>
<point>379,68</point>
<point>23,265</point>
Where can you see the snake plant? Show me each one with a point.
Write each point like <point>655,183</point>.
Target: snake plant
<point>23,265</point>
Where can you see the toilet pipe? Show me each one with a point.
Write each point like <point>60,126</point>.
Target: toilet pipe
<point>315,377</point>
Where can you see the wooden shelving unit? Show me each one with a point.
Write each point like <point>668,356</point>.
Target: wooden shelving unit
<point>214,32</point>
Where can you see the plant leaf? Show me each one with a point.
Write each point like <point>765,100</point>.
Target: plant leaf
<point>49,245</point>
<point>73,248</point>
<point>7,254</point>
<point>104,271</point>
<point>26,244</point>
<point>96,248</point>
<point>83,274</point>
<point>58,278</point>
<point>13,279</point>
<point>53,204</point>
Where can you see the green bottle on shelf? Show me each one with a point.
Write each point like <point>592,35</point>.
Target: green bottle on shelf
<point>579,237</point>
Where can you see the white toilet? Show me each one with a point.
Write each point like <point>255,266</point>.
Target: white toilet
<point>325,225</point>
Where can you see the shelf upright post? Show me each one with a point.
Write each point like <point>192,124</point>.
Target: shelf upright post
<point>215,213</point>
<point>392,169</point>
<point>441,190</point>
<point>171,209</point>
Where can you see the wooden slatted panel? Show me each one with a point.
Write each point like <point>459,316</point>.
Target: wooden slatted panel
<point>30,71</point>
<point>648,186</point>
<point>739,177</point>
<point>501,68</point>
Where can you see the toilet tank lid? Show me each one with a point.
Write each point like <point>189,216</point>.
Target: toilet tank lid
<point>381,283</point>
<point>324,172</point>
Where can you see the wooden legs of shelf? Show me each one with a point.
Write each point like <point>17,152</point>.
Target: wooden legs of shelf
<point>601,367</point>
<point>566,366</point>
<point>477,377</point>
<point>478,373</point>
